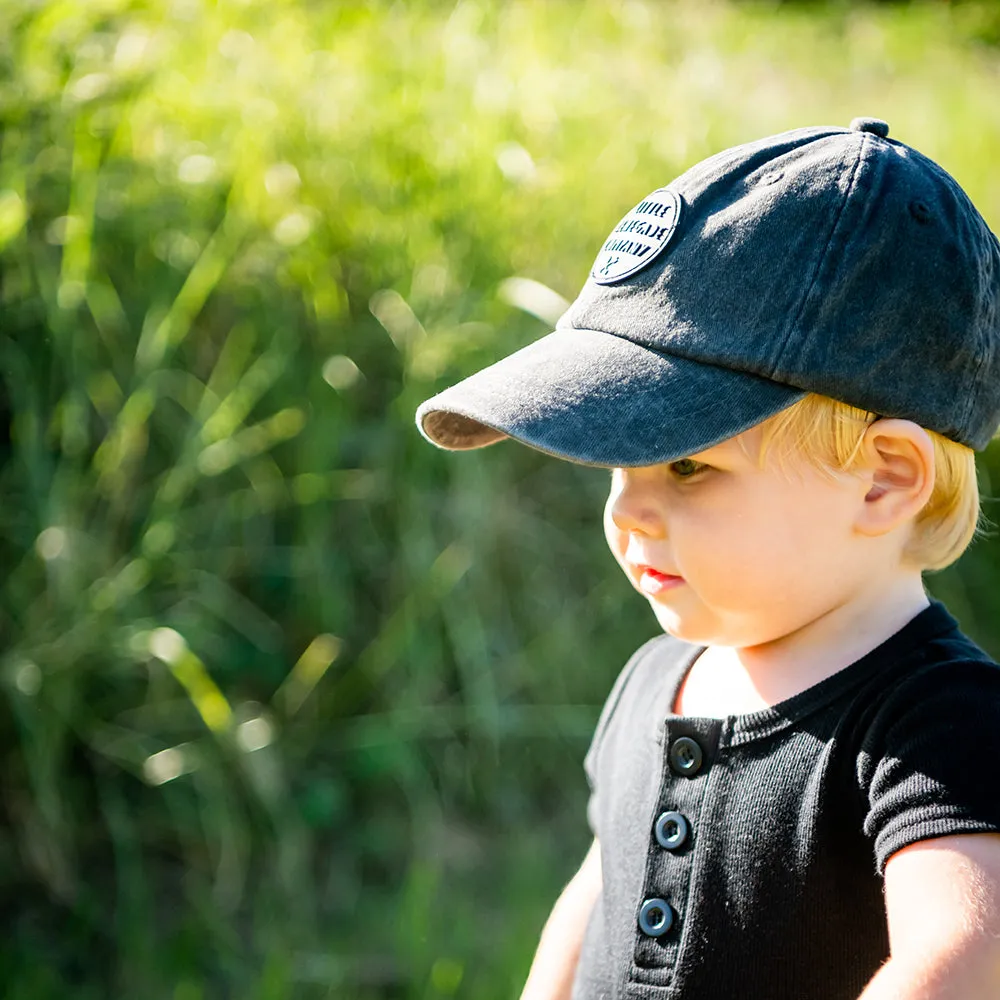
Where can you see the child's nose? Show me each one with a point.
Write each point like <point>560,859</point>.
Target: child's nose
<point>631,511</point>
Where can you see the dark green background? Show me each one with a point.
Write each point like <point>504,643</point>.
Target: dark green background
<point>294,704</point>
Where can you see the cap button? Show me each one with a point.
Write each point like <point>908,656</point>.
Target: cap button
<point>874,125</point>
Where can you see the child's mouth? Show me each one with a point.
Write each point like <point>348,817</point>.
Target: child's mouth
<point>653,581</point>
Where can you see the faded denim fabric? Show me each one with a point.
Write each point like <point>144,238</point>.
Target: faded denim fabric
<point>827,260</point>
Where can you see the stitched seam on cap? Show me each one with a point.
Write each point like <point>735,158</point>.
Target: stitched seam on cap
<point>676,351</point>
<point>822,257</point>
<point>965,429</point>
<point>983,347</point>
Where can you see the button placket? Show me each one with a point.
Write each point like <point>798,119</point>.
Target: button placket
<point>688,749</point>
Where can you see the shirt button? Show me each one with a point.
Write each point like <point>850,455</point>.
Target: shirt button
<point>685,756</point>
<point>655,917</point>
<point>671,830</point>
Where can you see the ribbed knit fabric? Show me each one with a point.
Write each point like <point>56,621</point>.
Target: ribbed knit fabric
<point>776,892</point>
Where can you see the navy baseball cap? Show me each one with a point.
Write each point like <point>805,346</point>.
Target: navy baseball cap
<point>827,260</point>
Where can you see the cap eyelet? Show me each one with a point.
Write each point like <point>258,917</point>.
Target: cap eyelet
<point>920,212</point>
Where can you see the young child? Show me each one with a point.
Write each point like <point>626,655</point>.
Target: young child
<point>787,357</point>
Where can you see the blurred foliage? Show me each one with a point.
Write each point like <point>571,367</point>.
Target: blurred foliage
<point>294,704</point>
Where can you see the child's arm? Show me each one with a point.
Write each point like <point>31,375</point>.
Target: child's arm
<point>942,900</point>
<point>551,975</point>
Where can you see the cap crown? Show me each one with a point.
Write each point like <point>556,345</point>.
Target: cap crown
<point>836,261</point>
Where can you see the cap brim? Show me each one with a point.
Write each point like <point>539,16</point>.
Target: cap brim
<point>599,399</point>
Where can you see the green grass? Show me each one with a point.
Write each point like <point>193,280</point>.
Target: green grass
<point>294,704</point>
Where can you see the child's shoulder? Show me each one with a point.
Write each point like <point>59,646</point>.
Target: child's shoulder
<point>944,667</point>
<point>656,666</point>
<point>655,660</point>
<point>948,683</point>
<point>928,753</point>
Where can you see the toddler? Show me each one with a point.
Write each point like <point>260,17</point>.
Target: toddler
<point>786,357</point>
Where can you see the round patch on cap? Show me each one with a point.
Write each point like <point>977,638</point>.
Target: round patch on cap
<point>639,238</point>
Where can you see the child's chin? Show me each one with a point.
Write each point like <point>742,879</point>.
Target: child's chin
<point>677,625</point>
<point>687,625</point>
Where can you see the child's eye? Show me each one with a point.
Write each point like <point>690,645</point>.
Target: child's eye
<point>685,468</point>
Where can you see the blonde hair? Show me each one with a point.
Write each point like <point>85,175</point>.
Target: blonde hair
<point>829,434</point>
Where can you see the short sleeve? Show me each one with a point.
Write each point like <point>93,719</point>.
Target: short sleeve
<point>930,762</point>
<point>604,722</point>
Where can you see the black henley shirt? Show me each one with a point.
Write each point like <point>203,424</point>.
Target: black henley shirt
<point>743,857</point>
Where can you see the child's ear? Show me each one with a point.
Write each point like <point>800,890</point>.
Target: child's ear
<point>896,464</point>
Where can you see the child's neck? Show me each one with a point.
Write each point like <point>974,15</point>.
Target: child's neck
<point>733,681</point>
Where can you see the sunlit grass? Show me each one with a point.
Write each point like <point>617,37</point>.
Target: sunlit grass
<point>295,704</point>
